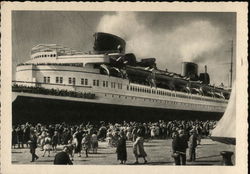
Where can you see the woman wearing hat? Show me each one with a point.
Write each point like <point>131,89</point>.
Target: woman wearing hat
<point>138,147</point>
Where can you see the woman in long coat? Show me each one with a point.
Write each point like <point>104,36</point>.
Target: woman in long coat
<point>121,148</point>
<point>138,148</point>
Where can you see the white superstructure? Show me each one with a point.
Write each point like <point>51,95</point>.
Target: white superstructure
<point>56,67</point>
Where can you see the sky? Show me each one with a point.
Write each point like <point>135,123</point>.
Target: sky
<point>171,37</point>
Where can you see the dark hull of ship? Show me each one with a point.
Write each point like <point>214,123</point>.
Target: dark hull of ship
<point>44,110</point>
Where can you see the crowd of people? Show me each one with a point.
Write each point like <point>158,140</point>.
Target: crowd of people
<point>83,138</point>
<point>56,92</point>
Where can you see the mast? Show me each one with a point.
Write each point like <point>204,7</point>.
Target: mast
<point>231,67</point>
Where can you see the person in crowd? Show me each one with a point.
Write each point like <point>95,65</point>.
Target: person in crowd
<point>51,130</point>
<point>90,128</point>
<point>199,133</point>
<point>19,132</point>
<point>86,142</point>
<point>121,148</point>
<point>192,145</point>
<point>55,140</point>
<point>147,131</point>
<point>153,131</point>
<point>129,132</point>
<point>94,142</point>
<point>78,137</point>
<point>41,139</point>
<point>26,134</point>
<point>33,145</point>
<point>102,132</point>
<point>14,137</point>
<point>109,137</point>
<point>138,147</point>
<point>71,148</point>
<point>165,130</point>
<point>115,137</point>
<point>179,146</point>
<point>134,132</point>
<point>157,130</point>
<point>62,158</point>
<point>66,136</point>
<point>47,145</point>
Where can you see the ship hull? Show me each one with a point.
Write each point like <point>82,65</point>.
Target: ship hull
<point>48,110</point>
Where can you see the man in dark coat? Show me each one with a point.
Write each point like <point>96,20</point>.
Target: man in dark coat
<point>121,148</point>
<point>33,145</point>
<point>62,158</point>
<point>179,146</point>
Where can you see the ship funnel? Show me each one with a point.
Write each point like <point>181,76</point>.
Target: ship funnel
<point>190,69</point>
<point>204,77</point>
<point>108,43</point>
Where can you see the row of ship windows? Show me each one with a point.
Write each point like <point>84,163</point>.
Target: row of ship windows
<point>84,81</point>
<point>158,92</point>
<point>45,55</point>
<point>153,91</point>
<point>106,84</point>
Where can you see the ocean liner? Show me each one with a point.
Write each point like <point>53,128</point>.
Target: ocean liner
<point>61,84</point>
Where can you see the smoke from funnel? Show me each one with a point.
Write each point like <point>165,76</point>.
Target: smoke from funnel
<point>185,42</point>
